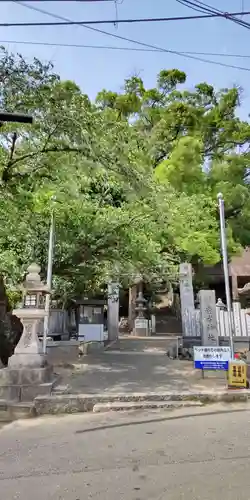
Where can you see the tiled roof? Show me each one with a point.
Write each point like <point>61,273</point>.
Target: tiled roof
<point>239,266</point>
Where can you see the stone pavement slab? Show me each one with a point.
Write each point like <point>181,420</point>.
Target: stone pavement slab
<point>130,373</point>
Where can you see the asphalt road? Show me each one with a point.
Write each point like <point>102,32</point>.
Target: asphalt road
<point>189,454</point>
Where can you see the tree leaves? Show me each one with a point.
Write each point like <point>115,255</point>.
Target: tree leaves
<point>135,176</point>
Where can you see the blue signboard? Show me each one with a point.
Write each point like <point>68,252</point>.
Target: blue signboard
<point>212,357</point>
<point>211,365</point>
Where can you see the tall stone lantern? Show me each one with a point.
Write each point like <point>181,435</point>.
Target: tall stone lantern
<point>141,323</point>
<point>28,374</point>
<point>28,351</point>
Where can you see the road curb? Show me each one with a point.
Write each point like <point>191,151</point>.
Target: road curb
<point>79,403</point>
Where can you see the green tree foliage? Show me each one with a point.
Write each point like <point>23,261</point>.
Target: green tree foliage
<point>135,176</point>
<point>196,141</point>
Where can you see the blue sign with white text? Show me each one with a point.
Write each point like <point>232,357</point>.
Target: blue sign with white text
<point>211,365</point>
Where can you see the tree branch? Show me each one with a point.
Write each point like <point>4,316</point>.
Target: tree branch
<point>6,176</point>
<point>14,139</point>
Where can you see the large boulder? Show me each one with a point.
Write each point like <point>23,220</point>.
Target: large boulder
<point>10,327</point>
<point>11,330</point>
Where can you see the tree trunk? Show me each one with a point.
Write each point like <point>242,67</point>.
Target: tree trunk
<point>10,327</point>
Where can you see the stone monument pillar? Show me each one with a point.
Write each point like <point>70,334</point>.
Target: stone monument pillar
<point>131,306</point>
<point>113,311</point>
<point>28,374</point>
<point>187,299</point>
<point>141,323</point>
<point>209,330</point>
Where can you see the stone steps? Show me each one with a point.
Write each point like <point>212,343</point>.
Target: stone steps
<point>79,403</point>
<point>142,344</point>
<point>143,405</point>
<point>168,325</point>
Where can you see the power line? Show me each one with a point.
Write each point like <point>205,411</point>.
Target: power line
<point>120,21</point>
<point>82,1</point>
<point>112,47</point>
<point>182,2</point>
<point>130,40</point>
<point>199,6</point>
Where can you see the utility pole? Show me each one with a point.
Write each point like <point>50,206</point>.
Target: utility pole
<point>225,268</point>
<point>49,277</point>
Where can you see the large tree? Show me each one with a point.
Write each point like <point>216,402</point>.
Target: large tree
<point>135,176</point>
<point>195,138</point>
<point>109,209</point>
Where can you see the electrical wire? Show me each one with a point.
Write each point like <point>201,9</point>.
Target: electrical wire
<point>199,6</point>
<point>112,47</point>
<point>130,40</point>
<point>82,1</point>
<point>119,21</point>
<point>196,9</point>
<point>229,16</point>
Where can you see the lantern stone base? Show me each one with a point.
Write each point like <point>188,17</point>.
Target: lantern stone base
<point>141,332</point>
<point>24,384</point>
<point>21,360</point>
<point>141,328</point>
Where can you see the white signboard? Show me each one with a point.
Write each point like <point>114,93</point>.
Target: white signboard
<point>211,357</point>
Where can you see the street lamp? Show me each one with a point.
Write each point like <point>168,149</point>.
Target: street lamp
<point>15,117</point>
<point>49,276</point>
<point>225,267</point>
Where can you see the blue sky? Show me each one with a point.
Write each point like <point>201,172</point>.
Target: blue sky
<point>96,69</point>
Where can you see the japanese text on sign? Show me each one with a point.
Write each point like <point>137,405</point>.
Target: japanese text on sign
<point>209,323</point>
<point>237,374</point>
<point>212,357</point>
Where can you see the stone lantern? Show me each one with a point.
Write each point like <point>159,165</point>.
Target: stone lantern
<point>28,374</point>
<point>141,322</point>
<point>28,351</point>
<point>220,304</point>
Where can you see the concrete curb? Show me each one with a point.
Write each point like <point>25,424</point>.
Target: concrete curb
<point>144,405</point>
<point>11,410</point>
<point>79,403</point>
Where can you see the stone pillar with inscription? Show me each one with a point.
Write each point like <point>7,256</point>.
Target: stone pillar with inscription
<point>28,374</point>
<point>209,330</point>
<point>187,299</point>
<point>113,311</point>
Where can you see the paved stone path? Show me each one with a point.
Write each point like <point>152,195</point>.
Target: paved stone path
<point>132,372</point>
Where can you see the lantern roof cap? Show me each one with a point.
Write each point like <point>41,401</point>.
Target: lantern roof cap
<point>33,282</point>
